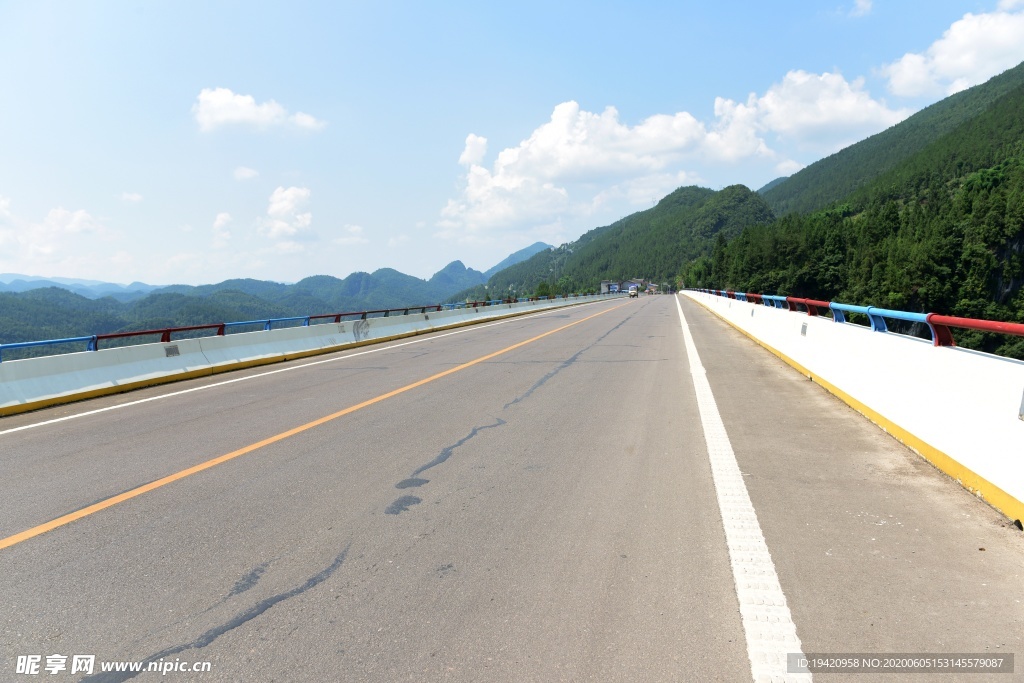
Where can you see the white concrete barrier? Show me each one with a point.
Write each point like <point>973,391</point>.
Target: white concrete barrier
<point>249,346</point>
<point>38,382</point>
<point>960,409</point>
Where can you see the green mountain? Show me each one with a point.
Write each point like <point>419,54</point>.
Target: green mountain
<point>649,244</point>
<point>454,277</point>
<point>517,257</point>
<point>384,288</point>
<point>837,176</point>
<point>941,230</point>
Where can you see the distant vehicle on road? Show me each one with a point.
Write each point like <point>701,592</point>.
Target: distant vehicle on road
<point>634,291</point>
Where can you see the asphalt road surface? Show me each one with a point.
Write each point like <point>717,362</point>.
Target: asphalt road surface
<point>533,500</point>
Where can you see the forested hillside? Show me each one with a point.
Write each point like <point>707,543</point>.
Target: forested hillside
<point>649,244</point>
<point>941,231</point>
<point>835,177</point>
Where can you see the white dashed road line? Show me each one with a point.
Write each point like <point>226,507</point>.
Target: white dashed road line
<point>767,622</point>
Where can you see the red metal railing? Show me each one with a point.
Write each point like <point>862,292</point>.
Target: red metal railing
<point>165,333</point>
<point>812,305</point>
<point>944,337</point>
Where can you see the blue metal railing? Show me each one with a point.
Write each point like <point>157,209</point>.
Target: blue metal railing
<point>839,310</point>
<point>268,324</point>
<point>90,343</point>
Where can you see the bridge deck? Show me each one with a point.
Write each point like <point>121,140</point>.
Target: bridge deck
<point>545,513</point>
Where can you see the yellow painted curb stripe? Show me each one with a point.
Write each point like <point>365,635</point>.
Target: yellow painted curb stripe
<point>195,469</point>
<point>970,480</point>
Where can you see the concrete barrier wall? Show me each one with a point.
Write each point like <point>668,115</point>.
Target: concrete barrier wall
<point>958,408</point>
<point>37,382</point>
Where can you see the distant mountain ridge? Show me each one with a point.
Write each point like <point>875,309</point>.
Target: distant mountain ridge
<point>91,289</point>
<point>517,257</point>
<point>453,277</point>
<point>33,308</point>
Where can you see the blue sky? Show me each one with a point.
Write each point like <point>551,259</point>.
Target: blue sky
<point>191,142</point>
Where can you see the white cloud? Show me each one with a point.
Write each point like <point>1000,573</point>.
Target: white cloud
<point>131,197</point>
<point>823,108</point>
<point>476,148</point>
<point>60,221</point>
<point>245,173</point>
<point>646,190</point>
<point>285,201</point>
<point>583,146</point>
<point>353,235</point>
<point>221,221</point>
<point>534,182</point>
<point>306,121</point>
<point>737,133</point>
<point>861,8</point>
<point>788,167</point>
<point>972,50</point>
<point>220,233</point>
<point>64,242</point>
<point>582,166</point>
<point>288,247</point>
<point>398,240</point>
<point>284,219</point>
<point>216,107</point>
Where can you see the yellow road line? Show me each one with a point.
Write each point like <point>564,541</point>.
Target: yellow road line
<point>195,469</point>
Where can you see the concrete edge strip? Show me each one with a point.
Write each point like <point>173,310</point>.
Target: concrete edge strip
<point>767,623</point>
<point>1000,500</point>
<point>255,362</point>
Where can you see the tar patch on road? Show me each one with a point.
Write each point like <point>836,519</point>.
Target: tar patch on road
<point>405,502</point>
<point>217,631</point>
<point>402,504</point>
<point>411,483</point>
<point>249,580</point>
<point>447,452</point>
